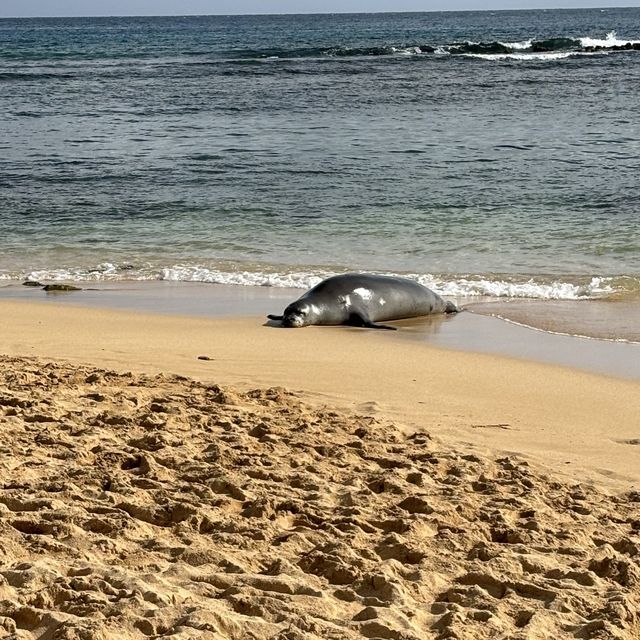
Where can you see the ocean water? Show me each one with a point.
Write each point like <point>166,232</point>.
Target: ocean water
<point>483,153</point>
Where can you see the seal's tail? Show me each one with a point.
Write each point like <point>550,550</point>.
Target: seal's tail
<point>451,308</point>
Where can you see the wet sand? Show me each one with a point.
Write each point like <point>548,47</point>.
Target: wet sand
<point>607,319</point>
<point>482,329</point>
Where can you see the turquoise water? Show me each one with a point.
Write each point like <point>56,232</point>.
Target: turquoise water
<point>483,153</point>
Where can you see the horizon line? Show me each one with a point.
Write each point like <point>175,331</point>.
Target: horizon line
<point>313,13</point>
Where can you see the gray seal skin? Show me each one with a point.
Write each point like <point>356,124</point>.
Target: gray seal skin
<point>363,300</point>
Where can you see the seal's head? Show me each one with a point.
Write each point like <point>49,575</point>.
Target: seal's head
<point>297,314</point>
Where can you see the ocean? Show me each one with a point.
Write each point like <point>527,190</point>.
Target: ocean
<point>493,156</point>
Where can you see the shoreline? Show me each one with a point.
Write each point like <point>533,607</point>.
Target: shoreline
<point>493,327</point>
<point>564,418</point>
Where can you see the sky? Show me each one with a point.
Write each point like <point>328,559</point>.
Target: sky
<point>30,8</point>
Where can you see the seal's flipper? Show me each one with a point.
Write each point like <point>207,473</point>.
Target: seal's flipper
<point>372,325</point>
<point>361,320</point>
<point>272,317</point>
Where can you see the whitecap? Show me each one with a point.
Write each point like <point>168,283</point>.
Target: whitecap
<point>547,56</point>
<point>610,40</point>
<point>525,44</point>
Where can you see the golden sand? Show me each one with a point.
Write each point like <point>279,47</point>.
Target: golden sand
<point>317,483</point>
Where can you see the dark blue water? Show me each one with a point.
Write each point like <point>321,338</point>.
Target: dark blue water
<point>483,152</point>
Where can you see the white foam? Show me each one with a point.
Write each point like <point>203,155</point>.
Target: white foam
<point>610,40</point>
<point>525,44</point>
<point>546,56</point>
<point>299,280</point>
<point>104,271</point>
<point>558,290</point>
<point>461,286</point>
<point>406,51</point>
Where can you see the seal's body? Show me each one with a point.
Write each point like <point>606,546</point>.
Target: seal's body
<point>363,300</point>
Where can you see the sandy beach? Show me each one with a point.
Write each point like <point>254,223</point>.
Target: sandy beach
<point>185,477</point>
<point>175,466</point>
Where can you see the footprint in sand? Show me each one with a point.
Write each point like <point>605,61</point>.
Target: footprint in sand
<point>369,407</point>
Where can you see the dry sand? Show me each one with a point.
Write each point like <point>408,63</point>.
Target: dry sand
<point>381,490</point>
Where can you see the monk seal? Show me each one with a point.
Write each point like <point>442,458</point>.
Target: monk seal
<point>362,300</point>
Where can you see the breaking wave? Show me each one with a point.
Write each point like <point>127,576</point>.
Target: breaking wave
<point>544,48</point>
<point>579,288</point>
<point>531,48</point>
